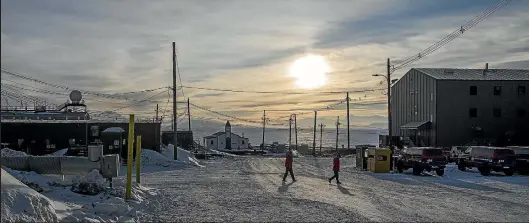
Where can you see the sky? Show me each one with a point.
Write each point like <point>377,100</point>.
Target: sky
<point>124,46</point>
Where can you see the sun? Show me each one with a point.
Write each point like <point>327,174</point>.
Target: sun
<point>310,71</point>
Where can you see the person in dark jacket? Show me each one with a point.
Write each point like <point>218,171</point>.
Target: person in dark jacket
<point>288,167</point>
<point>336,168</point>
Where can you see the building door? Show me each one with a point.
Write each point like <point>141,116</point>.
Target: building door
<point>228,143</point>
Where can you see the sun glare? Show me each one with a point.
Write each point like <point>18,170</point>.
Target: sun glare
<point>310,71</point>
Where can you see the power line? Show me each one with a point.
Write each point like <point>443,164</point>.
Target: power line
<point>64,87</point>
<point>139,102</point>
<point>179,76</point>
<point>470,24</point>
<point>279,92</point>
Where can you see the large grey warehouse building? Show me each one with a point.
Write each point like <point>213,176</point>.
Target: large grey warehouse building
<point>449,107</point>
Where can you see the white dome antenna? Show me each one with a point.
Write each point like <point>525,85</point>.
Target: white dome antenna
<point>76,96</point>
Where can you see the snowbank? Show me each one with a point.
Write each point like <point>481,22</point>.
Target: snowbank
<point>222,153</point>
<point>12,153</point>
<point>295,153</point>
<point>114,130</point>
<point>61,152</point>
<point>153,158</point>
<point>183,155</point>
<point>23,204</point>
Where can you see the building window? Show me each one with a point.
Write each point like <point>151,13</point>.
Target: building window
<point>473,90</point>
<point>521,113</point>
<point>211,142</point>
<point>496,112</point>
<point>243,142</point>
<point>521,90</point>
<point>473,112</point>
<point>497,90</point>
<point>95,130</point>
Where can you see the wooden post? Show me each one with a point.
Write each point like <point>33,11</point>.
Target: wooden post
<point>130,151</point>
<point>138,158</point>
<point>290,133</point>
<point>264,127</point>
<point>337,131</point>
<point>348,134</point>
<point>296,130</point>
<point>314,135</point>
<point>321,135</point>
<point>175,118</point>
<point>188,116</point>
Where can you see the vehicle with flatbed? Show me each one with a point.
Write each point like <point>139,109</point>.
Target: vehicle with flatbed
<point>421,159</point>
<point>487,159</point>
<point>456,151</point>
<point>521,154</point>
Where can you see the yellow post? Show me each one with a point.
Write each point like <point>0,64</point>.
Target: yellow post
<point>130,152</point>
<point>138,157</point>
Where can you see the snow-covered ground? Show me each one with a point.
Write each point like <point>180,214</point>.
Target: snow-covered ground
<point>222,153</point>
<point>182,155</point>
<point>250,189</point>
<point>50,199</point>
<point>28,196</point>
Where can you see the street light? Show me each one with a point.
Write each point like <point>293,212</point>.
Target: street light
<point>389,82</point>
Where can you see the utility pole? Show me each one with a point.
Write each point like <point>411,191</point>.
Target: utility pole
<point>175,122</point>
<point>348,135</point>
<point>314,136</point>
<point>289,132</point>
<point>337,131</point>
<point>156,137</point>
<point>389,107</point>
<point>188,116</point>
<point>156,118</point>
<point>321,134</point>
<point>296,130</point>
<point>264,127</point>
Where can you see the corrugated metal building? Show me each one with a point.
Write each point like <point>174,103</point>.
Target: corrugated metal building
<point>448,107</point>
<point>42,137</point>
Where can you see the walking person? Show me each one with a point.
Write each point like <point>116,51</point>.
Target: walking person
<point>336,168</point>
<point>288,167</point>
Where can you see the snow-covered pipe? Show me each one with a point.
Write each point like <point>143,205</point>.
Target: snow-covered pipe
<point>108,165</point>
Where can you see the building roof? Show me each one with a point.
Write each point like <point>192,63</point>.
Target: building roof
<point>114,130</point>
<point>214,135</point>
<point>217,133</point>
<point>417,125</point>
<point>476,74</point>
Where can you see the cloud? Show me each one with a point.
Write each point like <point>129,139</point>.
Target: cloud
<point>113,46</point>
<point>521,64</point>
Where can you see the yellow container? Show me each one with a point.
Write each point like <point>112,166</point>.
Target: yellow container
<point>378,160</point>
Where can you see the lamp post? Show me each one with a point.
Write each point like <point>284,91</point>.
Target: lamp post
<point>389,82</point>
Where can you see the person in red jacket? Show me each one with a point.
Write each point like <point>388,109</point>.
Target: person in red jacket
<point>336,168</point>
<point>288,167</point>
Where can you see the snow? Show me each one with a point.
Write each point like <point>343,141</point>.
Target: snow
<point>183,155</point>
<point>23,204</point>
<point>222,153</point>
<point>12,153</point>
<point>295,153</point>
<point>114,130</point>
<point>152,158</point>
<point>91,184</point>
<point>249,188</point>
<point>61,152</point>
<point>59,203</point>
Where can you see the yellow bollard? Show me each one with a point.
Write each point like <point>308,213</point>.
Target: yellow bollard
<point>130,152</point>
<point>138,157</point>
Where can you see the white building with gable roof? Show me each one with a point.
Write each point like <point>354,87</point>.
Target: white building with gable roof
<point>226,140</point>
